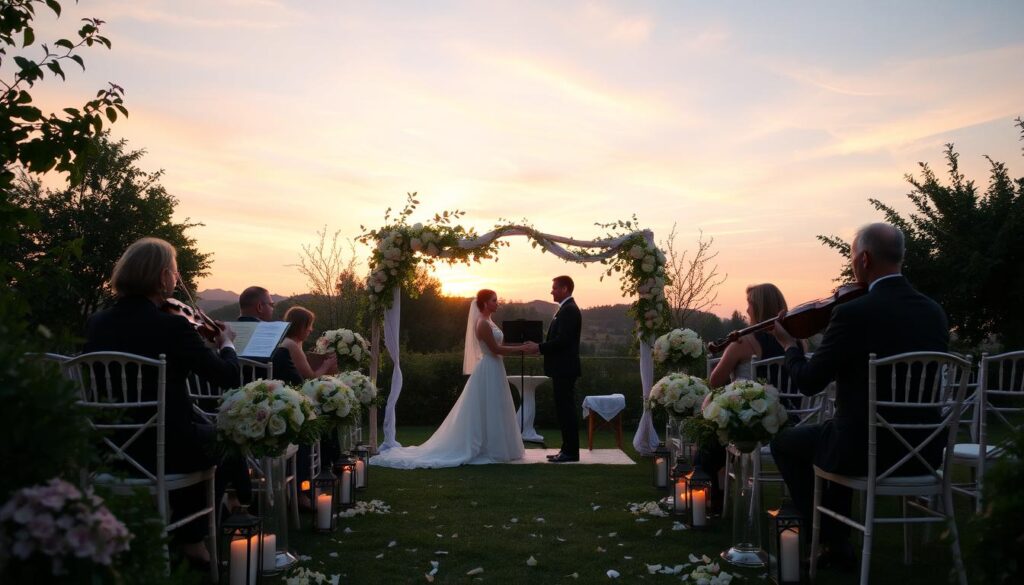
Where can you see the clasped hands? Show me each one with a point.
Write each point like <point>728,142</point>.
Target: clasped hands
<point>530,348</point>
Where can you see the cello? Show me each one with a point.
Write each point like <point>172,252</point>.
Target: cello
<point>802,321</point>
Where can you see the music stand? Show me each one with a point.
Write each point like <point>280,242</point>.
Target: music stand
<point>521,331</point>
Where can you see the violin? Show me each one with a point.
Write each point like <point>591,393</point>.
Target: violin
<point>207,328</point>
<point>802,321</point>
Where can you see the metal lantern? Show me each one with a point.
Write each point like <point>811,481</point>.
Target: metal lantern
<point>784,550</point>
<point>662,461</point>
<point>681,487</point>
<point>345,494</point>
<point>324,487</point>
<point>242,535</point>
<point>698,492</point>
<point>362,455</point>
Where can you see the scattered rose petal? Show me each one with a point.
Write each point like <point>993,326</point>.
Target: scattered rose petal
<point>531,562</point>
<point>514,520</point>
<point>678,526</point>
<point>641,519</point>
<point>347,530</point>
<point>456,535</point>
<point>599,549</point>
<point>612,574</point>
<point>439,535</point>
<point>488,525</point>
<point>652,569</point>
<point>476,571</point>
<point>693,558</point>
<point>628,558</point>
<point>380,556</point>
<point>596,508</point>
<point>305,558</point>
<point>538,519</point>
<point>612,534</point>
<point>428,577</point>
<point>440,552</point>
<point>393,544</point>
<point>332,554</point>
<point>559,539</point>
<point>574,576</point>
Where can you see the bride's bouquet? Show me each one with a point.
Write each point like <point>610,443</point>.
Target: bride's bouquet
<point>263,417</point>
<point>332,399</point>
<point>745,412</point>
<point>352,349</point>
<point>361,385</point>
<point>679,394</point>
<point>679,348</point>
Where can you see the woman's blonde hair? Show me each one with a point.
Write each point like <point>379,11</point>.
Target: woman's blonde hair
<point>299,318</point>
<point>139,270</point>
<point>766,300</point>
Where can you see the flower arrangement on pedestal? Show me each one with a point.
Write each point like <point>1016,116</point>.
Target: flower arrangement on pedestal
<point>61,526</point>
<point>334,401</point>
<point>263,417</point>
<point>679,349</point>
<point>361,385</point>
<point>745,412</point>
<point>351,348</point>
<point>681,395</point>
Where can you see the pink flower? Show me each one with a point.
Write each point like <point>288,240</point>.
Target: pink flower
<point>42,526</point>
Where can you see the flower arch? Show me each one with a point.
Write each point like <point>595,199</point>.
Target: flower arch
<point>399,247</point>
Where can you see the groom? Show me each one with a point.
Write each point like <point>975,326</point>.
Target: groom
<point>561,351</point>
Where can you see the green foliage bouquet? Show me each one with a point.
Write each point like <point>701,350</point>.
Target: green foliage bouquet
<point>679,394</point>
<point>745,412</point>
<point>679,348</point>
<point>263,417</point>
<point>334,401</point>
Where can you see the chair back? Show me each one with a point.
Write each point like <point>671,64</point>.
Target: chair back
<point>911,406</point>
<point>1000,399</point>
<point>806,409</point>
<point>120,400</point>
<point>206,395</point>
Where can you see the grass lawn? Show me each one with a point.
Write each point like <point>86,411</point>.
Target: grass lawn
<point>572,519</point>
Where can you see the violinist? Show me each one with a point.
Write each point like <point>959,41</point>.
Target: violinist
<point>892,318</point>
<point>143,278</point>
<point>764,301</point>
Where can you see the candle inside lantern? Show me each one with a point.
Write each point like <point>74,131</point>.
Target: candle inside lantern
<point>323,511</point>
<point>700,517</point>
<point>305,485</point>
<point>662,467</point>
<point>240,548</point>
<point>360,473</point>
<point>346,484</point>
<point>269,552</point>
<point>680,495</point>
<point>789,556</point>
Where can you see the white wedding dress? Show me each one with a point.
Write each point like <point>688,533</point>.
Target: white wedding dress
<point>481,428</point>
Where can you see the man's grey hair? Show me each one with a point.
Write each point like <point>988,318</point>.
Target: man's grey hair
<point>883,241</point>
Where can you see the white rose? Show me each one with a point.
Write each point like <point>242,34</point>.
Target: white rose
<point>277,425</point>
<point>771,424</point>
<point>759,405</point>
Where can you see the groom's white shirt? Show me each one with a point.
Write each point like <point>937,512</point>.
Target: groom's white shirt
<point>565,300</point>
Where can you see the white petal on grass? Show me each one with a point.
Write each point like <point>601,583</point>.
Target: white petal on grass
<point>514,520</point>
<point>428,577</point>
<point>380,556</point>
<point>574,576</point>
<point>595,508</point>
<point>599,549</point>
<point>641,519</point>
<point>693,558</point>
<point>476,571</point>
<point>678,526</point>
<point>347,530</point>
<point>440,552</point>
<point>652,569</point>
<point>531,562</point>
<point>612,574</point>
<point>658,533</point>
<point>539,519</point>
<point>393,544</point>
<point>333,555</point>
<point>559,539</point>
<point>435,564</point>
<point>612,534</point>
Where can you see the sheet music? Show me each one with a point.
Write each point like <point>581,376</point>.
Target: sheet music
<point>258,339</point>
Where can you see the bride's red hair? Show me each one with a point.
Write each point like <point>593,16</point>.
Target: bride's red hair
<point>482,296</point>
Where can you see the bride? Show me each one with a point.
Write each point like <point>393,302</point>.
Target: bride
<point>481,427</point>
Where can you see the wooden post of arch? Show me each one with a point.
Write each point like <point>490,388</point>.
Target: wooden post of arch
<point>374,367</point>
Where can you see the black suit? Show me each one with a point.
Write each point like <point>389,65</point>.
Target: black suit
<point>892,318</point>
<point>135,325</point>
<point>561,350</point>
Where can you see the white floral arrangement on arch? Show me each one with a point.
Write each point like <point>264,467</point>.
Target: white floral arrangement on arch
<point>361,385</point>
<point>333,400</point>
<point>679,394</point>
<point>745,412</point>
<point>351,348</point>
<point>57,523</point>
<point>265,416</point>
<point>679,348</point>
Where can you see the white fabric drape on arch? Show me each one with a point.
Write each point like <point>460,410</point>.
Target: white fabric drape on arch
<point>646,438</point>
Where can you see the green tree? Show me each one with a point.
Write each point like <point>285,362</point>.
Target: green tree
<point>965,248</point>
<point>80,231</point>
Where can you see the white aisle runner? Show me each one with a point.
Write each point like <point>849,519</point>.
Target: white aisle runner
<point>595,457</point>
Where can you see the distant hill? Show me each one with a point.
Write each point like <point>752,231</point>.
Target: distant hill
<point>213,299</point>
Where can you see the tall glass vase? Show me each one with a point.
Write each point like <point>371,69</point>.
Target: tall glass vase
<point>673,437</point>
<point>746,517</point>
<point>345,439</point>
<point>274,511</point>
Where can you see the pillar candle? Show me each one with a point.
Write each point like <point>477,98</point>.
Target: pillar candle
<point>360,473</point>
<point>700,517</point>
<point>680,495</point>
<point>323,511</point>
<point>789,556</point>
<point>659,462</point>
<point>240,547</point>
<point>346,485</point>
<point>269,552</point>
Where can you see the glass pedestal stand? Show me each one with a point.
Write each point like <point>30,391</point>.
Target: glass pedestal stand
<point>746,512</point>
<point>274,511</point>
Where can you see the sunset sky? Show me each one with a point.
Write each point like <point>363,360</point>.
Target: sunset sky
<point>761,123</point>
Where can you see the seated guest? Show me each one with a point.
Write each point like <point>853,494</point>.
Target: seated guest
<point>292,366</point>
<point>255,304</point>
<point>892,318</point>
<point>764,301</point>
<point>143,278</point>
<point>290,362</point>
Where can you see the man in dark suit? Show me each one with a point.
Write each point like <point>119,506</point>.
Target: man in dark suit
<point>255,304</point>
<point>561,350</point>
<point>892,318</point>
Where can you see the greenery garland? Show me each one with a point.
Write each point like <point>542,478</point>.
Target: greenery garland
<point>399,248</point>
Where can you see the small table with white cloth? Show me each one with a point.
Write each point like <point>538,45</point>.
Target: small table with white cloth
<point>610,409</point>
<point>528,410</point>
